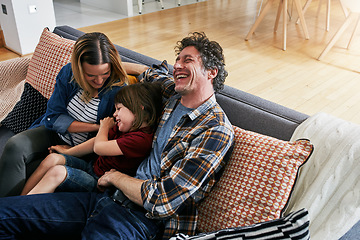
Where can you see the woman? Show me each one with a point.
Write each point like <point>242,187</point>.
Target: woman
<point>84,94</point>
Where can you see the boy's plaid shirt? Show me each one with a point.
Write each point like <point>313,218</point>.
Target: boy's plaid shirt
<point>190,161</point>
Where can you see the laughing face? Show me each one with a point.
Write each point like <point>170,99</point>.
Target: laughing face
<point>189,73</point>
<point>96,75</point>
<point>124,118</point>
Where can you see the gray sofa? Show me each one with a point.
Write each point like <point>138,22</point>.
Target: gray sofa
<point>244,110</point>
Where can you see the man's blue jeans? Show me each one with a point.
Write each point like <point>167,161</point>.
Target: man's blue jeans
<point>67,215</point>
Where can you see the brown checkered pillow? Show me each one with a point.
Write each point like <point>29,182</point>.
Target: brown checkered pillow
<point>51,54</point>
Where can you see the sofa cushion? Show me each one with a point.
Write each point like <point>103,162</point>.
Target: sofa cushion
<point>293,226</point>
<point>31,106</point>
<point>51,54</point>
<point>256,183</point>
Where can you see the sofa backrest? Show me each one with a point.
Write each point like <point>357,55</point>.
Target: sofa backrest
<point>256,114</point>
<point>243,109</point>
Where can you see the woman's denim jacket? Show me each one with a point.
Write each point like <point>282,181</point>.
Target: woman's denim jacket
<point>56,117</point>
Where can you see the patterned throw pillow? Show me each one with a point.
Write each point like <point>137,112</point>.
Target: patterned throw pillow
<point>293,226</point>
<point>51,54</point>
<point>31,106</point>
<point>256,183</point>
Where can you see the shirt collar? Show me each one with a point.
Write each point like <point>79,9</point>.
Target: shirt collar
<point>203,108</point>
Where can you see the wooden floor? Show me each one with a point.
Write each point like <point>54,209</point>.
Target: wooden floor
<point>293,78</point>
<point>6,54</point>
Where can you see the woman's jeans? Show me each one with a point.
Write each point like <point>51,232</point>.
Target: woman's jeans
<point>22,154</point>
<point>67,215</point>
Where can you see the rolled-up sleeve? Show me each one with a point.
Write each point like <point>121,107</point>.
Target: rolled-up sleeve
<point>160,73</point>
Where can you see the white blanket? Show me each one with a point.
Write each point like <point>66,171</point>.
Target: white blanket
<point>328,184</point>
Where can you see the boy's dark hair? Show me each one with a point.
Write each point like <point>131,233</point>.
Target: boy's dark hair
<point>144,100</point>
<point>211,55</point>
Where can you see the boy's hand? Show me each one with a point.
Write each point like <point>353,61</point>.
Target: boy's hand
<point>59,149</point>
<point>107,122</point>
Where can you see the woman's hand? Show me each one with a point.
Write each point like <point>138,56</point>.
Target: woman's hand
<point>59,149</point>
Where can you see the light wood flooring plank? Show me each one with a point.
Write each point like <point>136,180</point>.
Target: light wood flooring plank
<point>6,54</point>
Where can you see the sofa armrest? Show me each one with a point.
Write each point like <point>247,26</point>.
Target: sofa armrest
<point>12,74</point>
<point>13,71</point>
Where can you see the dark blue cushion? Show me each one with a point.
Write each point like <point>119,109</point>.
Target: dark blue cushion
<point>30,107</point>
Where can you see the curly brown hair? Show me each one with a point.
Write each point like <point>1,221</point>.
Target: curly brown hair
<point>211,53</point>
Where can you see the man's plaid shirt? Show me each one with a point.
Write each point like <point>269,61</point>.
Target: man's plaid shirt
<point>189,162</point>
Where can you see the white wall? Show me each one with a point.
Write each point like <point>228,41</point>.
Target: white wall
<point>124,7</point>
<point>21,28</point>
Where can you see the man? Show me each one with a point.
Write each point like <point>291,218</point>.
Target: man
<point>191,141</point>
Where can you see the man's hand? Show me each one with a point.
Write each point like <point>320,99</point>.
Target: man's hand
<point>105,180</point>
<point>59,149</point>
<point>130,186</point>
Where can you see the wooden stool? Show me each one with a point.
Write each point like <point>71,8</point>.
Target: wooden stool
<point>283,6</point>
<point>179,2</point>
<point>307,4</point>
<point>353,15</point>
<point>141,2</point>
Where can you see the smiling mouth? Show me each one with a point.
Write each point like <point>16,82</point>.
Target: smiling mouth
<point>98,84</point>
<point>181,76</point>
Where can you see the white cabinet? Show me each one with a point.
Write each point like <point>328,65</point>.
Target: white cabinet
<point>22,22</point>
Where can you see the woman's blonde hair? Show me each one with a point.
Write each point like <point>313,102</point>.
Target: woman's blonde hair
<point>96,48</point>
